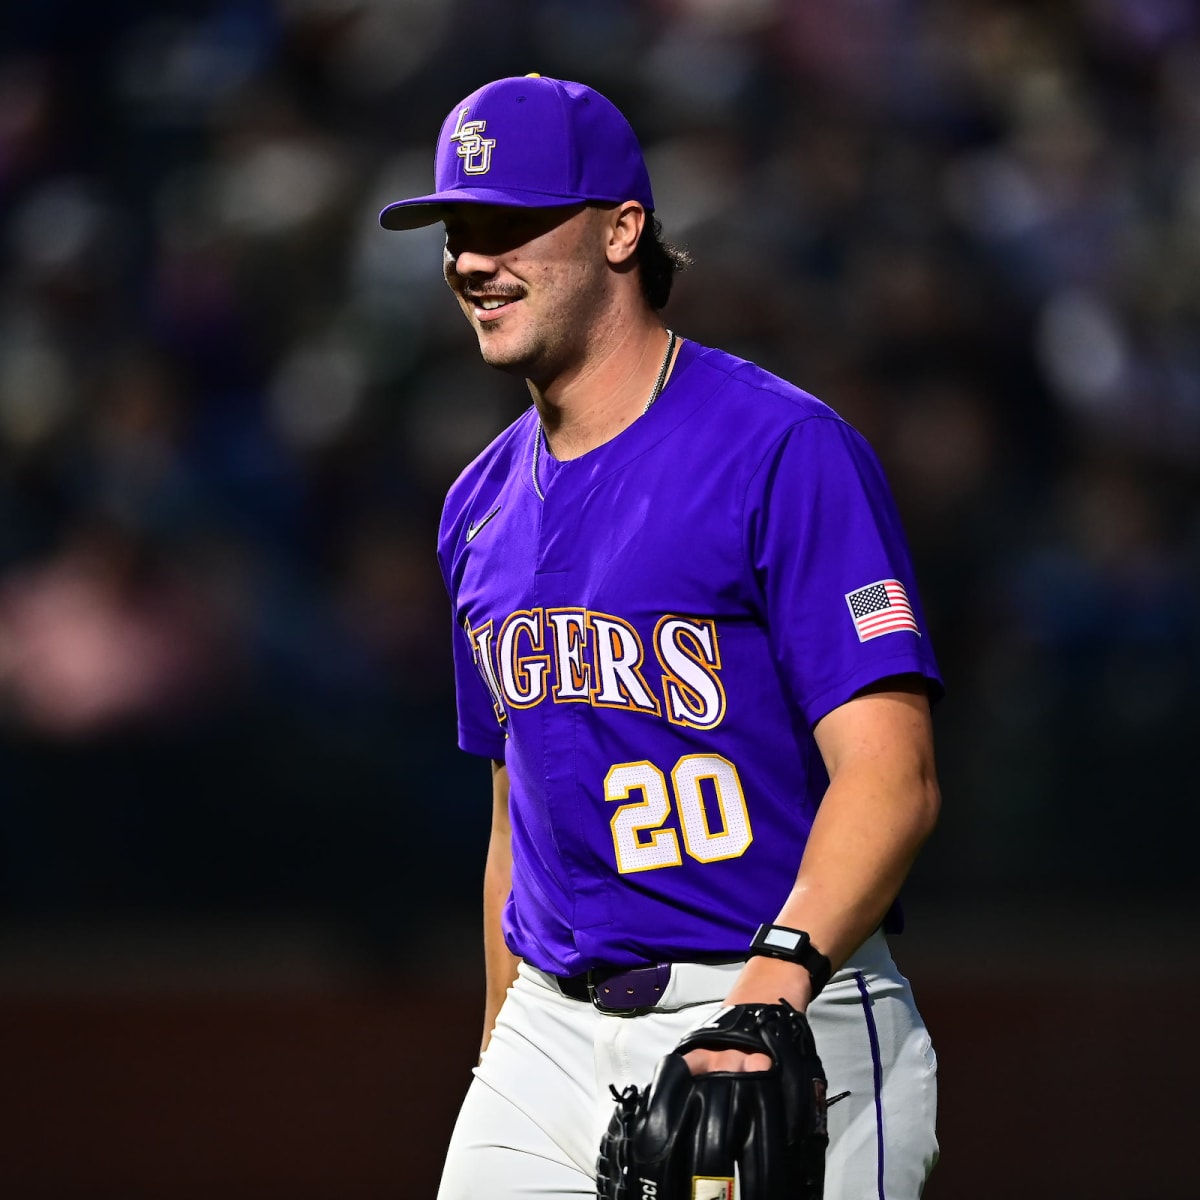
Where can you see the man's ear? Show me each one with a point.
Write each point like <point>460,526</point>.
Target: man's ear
<point>625,225</point>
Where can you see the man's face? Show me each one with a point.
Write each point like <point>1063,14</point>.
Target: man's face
<point>530,280</point>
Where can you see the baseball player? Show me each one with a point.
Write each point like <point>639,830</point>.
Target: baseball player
<point>689,639</point>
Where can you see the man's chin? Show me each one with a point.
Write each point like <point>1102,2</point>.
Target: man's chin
<point>503,357</point>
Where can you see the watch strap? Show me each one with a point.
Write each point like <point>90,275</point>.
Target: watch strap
<point>793,945</point>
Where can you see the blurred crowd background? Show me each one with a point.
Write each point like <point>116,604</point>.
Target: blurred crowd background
<point>230,405</point>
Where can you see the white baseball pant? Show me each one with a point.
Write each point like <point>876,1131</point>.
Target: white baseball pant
<point>533,1117</point>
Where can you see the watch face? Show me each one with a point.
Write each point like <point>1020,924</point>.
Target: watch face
<point>788,940</point>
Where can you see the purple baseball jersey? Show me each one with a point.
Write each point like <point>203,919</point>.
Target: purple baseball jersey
<point>649,648</point>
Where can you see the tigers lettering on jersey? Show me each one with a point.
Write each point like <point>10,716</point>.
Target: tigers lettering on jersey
<point>481,651</point>
<point>576,656</point>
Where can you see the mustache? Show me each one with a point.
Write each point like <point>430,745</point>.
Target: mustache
<point>495,291</point>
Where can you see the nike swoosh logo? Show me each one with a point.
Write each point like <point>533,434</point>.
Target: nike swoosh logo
<point>476,526</point>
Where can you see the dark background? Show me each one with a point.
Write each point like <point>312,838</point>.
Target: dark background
<point>239,852</point>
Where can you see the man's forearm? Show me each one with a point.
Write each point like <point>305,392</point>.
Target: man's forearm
<point>499,962</point>
<point>881,805</point>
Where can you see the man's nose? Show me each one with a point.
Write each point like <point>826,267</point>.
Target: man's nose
<point>468,263</point>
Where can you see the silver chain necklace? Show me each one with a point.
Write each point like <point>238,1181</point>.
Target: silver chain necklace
<point>539,434</point>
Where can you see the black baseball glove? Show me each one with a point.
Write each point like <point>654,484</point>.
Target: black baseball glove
<point>680,1138</point>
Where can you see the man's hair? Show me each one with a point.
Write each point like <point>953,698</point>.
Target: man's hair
<point>658,261</point>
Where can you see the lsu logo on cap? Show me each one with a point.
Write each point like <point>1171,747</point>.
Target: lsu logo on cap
<point>474,150</point>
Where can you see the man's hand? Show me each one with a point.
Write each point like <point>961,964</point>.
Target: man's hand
<point>702,1062</point>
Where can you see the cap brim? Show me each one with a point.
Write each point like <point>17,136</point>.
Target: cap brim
<point>427,210</point>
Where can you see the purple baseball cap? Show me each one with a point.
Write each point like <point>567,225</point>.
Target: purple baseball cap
<point>530,142</point>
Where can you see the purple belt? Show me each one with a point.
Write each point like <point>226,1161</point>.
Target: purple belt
<point>623,993</point>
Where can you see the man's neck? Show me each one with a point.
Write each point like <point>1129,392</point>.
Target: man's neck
<point>604,395</point>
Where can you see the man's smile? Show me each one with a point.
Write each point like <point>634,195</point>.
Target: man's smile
<point>487,305</point>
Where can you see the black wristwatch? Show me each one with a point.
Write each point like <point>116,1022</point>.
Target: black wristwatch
<point>793,945</point>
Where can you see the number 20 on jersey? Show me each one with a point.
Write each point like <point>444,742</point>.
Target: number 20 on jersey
<point>715,825</point>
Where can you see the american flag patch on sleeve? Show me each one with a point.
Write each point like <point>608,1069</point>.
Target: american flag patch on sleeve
<point>881,608</point>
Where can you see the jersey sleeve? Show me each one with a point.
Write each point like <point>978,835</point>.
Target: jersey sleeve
<point>479,732</point>
<point>832,567</point>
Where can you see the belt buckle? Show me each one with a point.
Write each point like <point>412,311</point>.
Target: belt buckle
<point>643,985</point>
